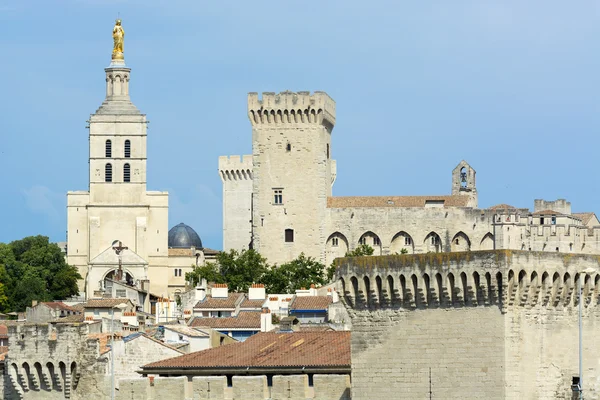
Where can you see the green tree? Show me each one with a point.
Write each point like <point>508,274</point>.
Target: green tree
<point>34,269</point>
<point>210,272</point>
<point>296,274</point>
<point>361,250</point>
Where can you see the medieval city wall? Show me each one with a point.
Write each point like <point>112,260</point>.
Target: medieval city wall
<point>492,324</point>
<point>289,387</point>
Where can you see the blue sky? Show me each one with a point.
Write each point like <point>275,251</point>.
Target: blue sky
<point>510,86</point>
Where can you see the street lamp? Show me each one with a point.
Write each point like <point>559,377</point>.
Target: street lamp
<point>579,385</point>
<point>121,307</point>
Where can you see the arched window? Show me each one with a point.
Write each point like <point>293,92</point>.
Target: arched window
<point>108,173</point>
<point>127,149</point>
<point>108,149</point>
<point>126,173</point>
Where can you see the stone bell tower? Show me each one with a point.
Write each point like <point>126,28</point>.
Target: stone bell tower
<point>117,205</point>
<point>463,182</point>
<point>293,173</point>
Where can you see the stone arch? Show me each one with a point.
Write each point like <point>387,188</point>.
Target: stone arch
<point>401,241</point>
<point>477,288</point>
<point>367,290</point>
<point>460,242</point>
<point>313,116</point>
<point>74,375</point>
<point>335,246</point>
<point>371,239</point>
<point>63,373</point>
<point>112,274</point>
<point>390,289</point>
<point>379,287</point>
<point>427,288</point>
<point>29,381</point>
<point>14,372</point>
<point>342,286</point>
<point>556,285</point>
<point>286,116</point>
<point>567,285</point>
<point>355,290</point>
<point>465,288</point>
<point>52,375</point>
<point>490,288</point>
<point>440,288</point>
<point>500,285</point>
<point>432,243</point>
<point>404,290</point>
<point>415,288</point>
<point>451,287</point>
<point>487,242</point>
<point>522,279</point>
<point>39,373</point>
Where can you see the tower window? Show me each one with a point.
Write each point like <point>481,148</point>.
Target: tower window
<point>278,196</point>
<point>108,173</point>
<point>289,235</point>
<point>362,240</point>
<point>328,151</point>
<point>108,149</point>
<point>126,173</point>
<point>288,147</point>
<point>334,242</point>
<point>376,241</point>
<point>127,149</point>
<point>407,241</point>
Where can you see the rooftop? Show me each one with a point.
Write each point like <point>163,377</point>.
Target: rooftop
<point>395,201</point>
<point>58,305</point>
<point>245,319</point>
<point>182,236</point>
<point>311,303</point>
<point>228,302</point>
<point>585,217</point>
<point>105,303</point>
<point>252,303</point>
<point>186,330</point>
<point>271,349</point>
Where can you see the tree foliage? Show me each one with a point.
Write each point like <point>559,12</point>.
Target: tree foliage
<point>34,269</point>
<point>361,250</point>
<point>240,270</point>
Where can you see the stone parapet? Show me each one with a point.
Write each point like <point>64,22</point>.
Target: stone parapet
<point>291,108</point>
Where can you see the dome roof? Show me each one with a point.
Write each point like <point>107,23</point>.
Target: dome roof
<point>183,236</point>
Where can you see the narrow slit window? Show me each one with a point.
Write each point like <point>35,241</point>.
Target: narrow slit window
<point>127,149</point>
<point>289,235</point>
<point>288,147</point>
<point>108,149</point>
<point>108,173</point>
<point>328,151</point>
<point>126,173</point>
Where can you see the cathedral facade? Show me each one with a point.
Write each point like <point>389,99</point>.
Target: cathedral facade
<point>279,201</point>
<point>118,230</point>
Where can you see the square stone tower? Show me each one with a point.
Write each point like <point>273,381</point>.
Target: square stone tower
<point>117,205</point>
<point>292,172</point>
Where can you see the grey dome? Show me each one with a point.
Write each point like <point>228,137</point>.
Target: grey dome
<point>183,236</point>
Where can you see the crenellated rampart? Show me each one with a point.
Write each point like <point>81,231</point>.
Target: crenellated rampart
<point>291,108</point>
<point>235,168</point>
<point>488,324</point>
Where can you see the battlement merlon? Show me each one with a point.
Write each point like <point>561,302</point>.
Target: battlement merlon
<point>291,108</point>
<point>235,167</point>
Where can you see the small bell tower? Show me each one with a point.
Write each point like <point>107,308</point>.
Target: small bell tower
<point>463,182</point>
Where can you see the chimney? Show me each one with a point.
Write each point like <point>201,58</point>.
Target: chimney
<point>266,320</point>
<point>200,292</point>
<point>220,291</point>
<point>257,292</point>
<point>289,324</point>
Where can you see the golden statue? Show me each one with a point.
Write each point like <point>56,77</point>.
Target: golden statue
<point>118,37</point>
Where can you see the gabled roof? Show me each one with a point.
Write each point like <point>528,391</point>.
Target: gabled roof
<point>502,207</point>
<point>311,303</point>
<point>58,305</point>
<point>585,217</point>
<point>395,201</point>
<point>270,349</point>
<point>109,257</point>
<point>215,303</point>
<point>186,330</point>
<point>244,320</point>
<point>70,319</point>
<point>547,212</point>
<point>106,303</point>
<point>252,303</point>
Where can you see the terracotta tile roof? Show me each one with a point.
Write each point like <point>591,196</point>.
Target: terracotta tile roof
<point>502,207</point>
<point>69,319</point>
<point>252,303</point>
<point>3,332</point>
<point>546,212</point>
<point>245,319</point>
<point>57,305</point>
<point>210,252</point>
<point>271,349</point>
<point>105,303</point>
<point>210,302</point>
<point>186,330</point>
<point>3,352</point>
<point>395,201</point>
<point>315,328</point>
<point>104,339</point>
<point>78,307</point>
<point>584,217</point>
<point>311,303</point>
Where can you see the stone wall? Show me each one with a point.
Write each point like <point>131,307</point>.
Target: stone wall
<point>492,324</point>
<point>294,387</point>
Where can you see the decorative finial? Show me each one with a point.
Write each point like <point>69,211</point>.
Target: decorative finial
<point>118,38</point>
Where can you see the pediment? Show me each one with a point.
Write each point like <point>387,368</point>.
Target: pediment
<point>109,257</point>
